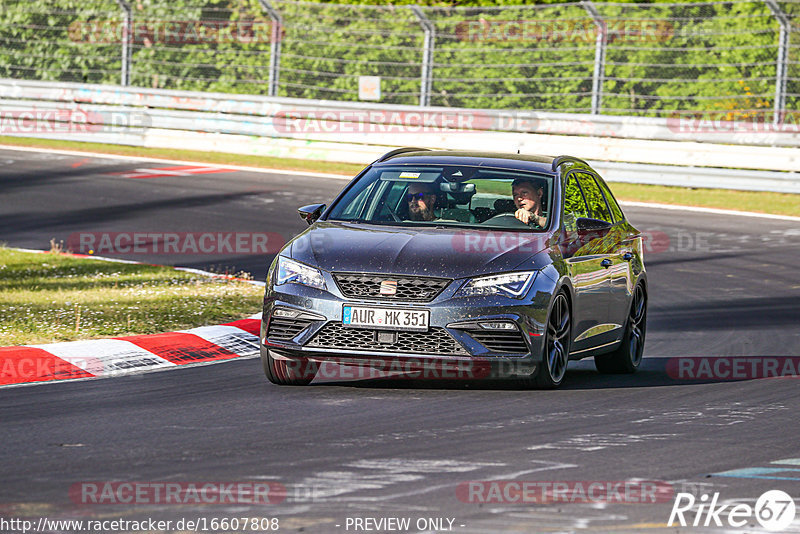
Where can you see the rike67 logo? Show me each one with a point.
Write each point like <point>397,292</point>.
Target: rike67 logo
<point>774,510</point>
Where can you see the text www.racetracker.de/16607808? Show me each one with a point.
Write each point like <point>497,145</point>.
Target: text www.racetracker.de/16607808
<point>96,526</point>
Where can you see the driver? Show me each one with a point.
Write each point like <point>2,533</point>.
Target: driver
<point>421,199</point>
<point>527,195</point>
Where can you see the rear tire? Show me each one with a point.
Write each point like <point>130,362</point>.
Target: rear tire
<point>287,372</point>
<point>628,356</point>
<point>557,343</point>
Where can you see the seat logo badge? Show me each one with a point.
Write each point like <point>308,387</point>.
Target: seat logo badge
<point>388,288</point>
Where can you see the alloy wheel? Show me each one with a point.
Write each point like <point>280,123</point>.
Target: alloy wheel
<point>558,342</point>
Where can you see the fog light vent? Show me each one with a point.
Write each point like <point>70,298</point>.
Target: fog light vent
<point>498,325</point>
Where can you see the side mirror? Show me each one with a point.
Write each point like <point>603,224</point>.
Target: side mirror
<point>311,213</point>
<point>592,225</point>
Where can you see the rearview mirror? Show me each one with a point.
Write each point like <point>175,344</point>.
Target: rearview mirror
<point>311,213</point>
<point>455,187</point>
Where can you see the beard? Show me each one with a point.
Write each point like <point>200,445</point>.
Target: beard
<point>415,213</point>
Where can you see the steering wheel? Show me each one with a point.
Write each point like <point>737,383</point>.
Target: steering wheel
<point>505,219</point>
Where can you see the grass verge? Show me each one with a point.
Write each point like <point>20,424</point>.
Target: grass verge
<point>754,201</point>
<point>54,297</point>
<point>761,202</point>
<point>219,158</point>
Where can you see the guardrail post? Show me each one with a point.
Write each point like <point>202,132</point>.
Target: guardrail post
<point>274,47</point>
<point>782,60</point>
<point>427,56</point>
<point>127,38</point>
<point>599,55</point>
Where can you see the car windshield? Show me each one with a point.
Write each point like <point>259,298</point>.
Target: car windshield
<point>461,196</point>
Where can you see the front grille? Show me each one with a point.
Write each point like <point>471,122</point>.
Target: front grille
<point>409,288</point>
<point>498,341</point>
<point>435,341</point>
<point>285,329</point>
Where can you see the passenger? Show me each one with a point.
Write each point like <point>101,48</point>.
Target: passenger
<point>421,199</point>
<point>527,195</point>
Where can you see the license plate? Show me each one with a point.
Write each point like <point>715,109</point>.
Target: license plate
<point>386,318</point>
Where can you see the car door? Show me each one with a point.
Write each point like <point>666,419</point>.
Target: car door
<point>608,244</point>
<point>624,257</point>
<point>588,275</point>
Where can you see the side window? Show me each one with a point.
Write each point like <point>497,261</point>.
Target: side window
<point>598,209</point>
<point>612,203</point>
<point>574,205</point>
<point>356,205</point>
<point>389,200</point>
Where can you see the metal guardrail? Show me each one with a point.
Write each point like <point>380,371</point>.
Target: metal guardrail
<point>255,106</point>
<point>358,132</point>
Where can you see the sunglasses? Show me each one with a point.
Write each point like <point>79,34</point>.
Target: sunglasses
<point>418,196</point>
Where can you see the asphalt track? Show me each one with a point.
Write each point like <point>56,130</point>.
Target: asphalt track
<point>719,286</point>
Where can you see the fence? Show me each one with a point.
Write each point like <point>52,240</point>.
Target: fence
<point>736,59</point>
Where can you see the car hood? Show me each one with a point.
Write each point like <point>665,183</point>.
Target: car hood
<point>428,251</point>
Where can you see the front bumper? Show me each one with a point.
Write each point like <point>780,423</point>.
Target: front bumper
<point>456,346</point>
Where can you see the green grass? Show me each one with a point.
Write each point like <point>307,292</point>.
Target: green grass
<point>763,202</point>
<point>219,158</point>
<point>54,297</point>
<point>757,201</point>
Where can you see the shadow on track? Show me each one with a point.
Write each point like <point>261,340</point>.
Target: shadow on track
<point>653,372</point>
<point>772,312</point>
<point>114,213</point>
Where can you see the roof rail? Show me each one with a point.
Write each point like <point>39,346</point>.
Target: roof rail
<point>561,159</point>
<point>397,151</point>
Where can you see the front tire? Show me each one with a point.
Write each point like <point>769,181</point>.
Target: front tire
<point>557,343</point>
<point>628,356</point>
<point>287,372</point>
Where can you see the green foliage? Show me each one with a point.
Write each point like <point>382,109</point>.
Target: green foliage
<point>662,58</point>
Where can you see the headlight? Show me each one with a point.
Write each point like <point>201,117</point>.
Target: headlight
<point>513,285</point>
<point>293,272</point>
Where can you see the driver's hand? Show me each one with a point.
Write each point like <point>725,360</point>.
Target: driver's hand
<point>523,215</point>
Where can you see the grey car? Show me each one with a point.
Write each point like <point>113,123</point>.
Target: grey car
<point>516,265</point>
